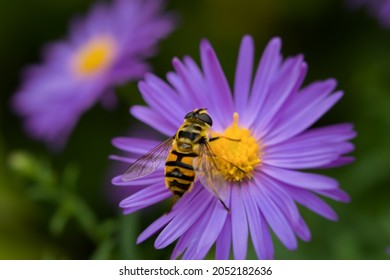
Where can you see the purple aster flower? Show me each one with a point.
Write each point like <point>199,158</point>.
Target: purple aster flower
<point>376,8</point>
<point>271,113</point>
<point>106,48</point>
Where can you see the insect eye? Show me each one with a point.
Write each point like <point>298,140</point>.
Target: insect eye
<point>189,115</point>
<point>205,118</point>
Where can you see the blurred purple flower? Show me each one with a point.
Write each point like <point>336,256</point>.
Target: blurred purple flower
<point>376,8</point>
<point>271,114</point>
<point>106,48</point>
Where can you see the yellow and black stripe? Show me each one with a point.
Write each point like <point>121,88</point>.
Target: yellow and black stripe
<point>179,172</point>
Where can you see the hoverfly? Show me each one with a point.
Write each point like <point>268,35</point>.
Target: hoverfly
<point>187,155</point>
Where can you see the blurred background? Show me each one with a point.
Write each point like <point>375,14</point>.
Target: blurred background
<point>63,206</point>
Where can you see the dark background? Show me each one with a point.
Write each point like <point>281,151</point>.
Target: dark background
<point>63,206</point>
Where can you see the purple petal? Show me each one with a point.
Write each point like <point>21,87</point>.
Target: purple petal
<point>303,121</point>
<point>122,159</point>
<point>183,220</point>
<point>302,163</point>
<point>36,93</point>
<point>336,194</point>
<point>190,254</point>
<point>300,118</point>
<point>154,178</point>
<point>243,77</point>
<point>275,218</point>
<point>261,237</point>
<point>162,97</point>
<point>181,245</point>
<point>146,197</point>
<point>134,145</point>
<point>154,119</point>
<point>224,241</point>
<point>191,237</point>
<point>300,179</point>
<point>287,206</point>
<point>383,14</point>
<point>176,209</point>
<point>109,101</point>
<point>159,86</point>
<point>195,71</point>
<point>281,198</point>
<point>324,160</point>
<point>312,202</point>
<point>188,83</point>
<point>55,129</point>
<point>212,229</point>
<point>239,224</point>
<point>339,162</point>
<point>264,76</point>
<point>325,134</point>
<point>308,96</point>
<point>302,230</point>
<point>220,94</point>
<point>288,83</point>
<point>190,240</point>
<point>98,19</point>
<point>203,233</point>
<point>155,226</point>
<point>305,152</point>
<point>124,69</point>
<point>161,102</point>
<point>307,149</point>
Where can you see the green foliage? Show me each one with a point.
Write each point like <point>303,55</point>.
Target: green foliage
<point>57,193</point>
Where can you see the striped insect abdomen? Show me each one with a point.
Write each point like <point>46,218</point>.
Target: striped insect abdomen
<point>179,172</point>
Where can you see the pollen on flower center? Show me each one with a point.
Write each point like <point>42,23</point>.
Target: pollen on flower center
<point>237,151</point>
<point>93,57</point>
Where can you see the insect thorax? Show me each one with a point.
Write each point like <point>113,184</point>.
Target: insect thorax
<point>190,135</point>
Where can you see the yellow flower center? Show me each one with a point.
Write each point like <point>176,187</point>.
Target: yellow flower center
<point>95,56</point>
<point>237,152</point>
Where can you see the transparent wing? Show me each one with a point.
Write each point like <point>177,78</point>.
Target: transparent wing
<point>149,162</point>
<point>210,175</point>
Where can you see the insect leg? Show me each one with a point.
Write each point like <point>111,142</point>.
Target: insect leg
<point>243,171</point>
<point>231,139</point>
<point>224,205</point>
<point>223,137</point>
